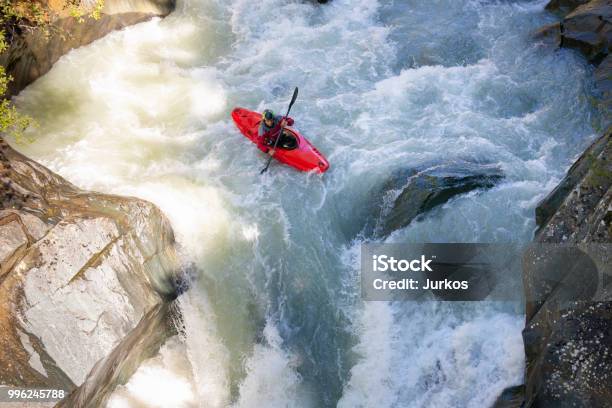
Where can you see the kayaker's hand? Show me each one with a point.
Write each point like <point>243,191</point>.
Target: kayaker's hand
<point>283,123</point>
<point>271,152</point>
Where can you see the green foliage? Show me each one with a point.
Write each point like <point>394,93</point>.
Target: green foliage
<point>96,12</point>
<point>3,44</point>
<point>12,122</point>
<point>75,11</point>
<point>78,11</point>
<point>16,16</point>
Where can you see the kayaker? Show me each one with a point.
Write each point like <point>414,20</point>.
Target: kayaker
<point>269,128</point>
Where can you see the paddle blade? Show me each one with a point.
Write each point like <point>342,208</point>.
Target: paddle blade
<point>293,98</point>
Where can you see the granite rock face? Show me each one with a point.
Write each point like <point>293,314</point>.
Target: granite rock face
<point>578,209</point>
<point>568,279</point>
<point>568,333</point>
<point>86,279</point>
<point>80,271</point>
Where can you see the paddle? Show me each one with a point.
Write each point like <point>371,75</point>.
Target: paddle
<point>280,133</point>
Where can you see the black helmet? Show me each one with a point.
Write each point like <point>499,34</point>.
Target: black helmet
<point>267,115</point>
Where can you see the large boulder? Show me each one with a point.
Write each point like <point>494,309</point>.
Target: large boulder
<point>589,29</point>
<point>411,192</point>
<point>79,272</point>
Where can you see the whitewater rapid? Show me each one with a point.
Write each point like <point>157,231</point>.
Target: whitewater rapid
<point>274,318</point>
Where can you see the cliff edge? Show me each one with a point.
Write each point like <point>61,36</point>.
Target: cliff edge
<point>80,272</point>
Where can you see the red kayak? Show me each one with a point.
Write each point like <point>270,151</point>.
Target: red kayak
<point>299,154</point>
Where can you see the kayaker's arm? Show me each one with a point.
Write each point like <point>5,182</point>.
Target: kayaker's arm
<point>263,134</point>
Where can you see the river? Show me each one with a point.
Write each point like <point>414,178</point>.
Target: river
<point>274,317</point>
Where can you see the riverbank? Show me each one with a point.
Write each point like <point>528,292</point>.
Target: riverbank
<point>565,336</point>
<point>87,279</point>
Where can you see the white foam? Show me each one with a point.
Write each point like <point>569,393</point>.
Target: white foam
<point>160,382</point>
<point>145,112</point>
<point>370,381</point>
<point>271,379</point>
<point>428,357</point>
<point>208,355</point>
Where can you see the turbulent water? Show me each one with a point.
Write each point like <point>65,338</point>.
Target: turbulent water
<point>274,317</point>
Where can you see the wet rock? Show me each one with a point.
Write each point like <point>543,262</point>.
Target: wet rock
<point>603,86</point>
<point>80,272</point>
<point>569,355</point>
<point>567,337</point>
<point>33,53</point>
<point>564,6</point>
<point>140,344</point>
<point>589,29</point>
<point>411,192</point>
<point>511,397</point>
<point>578,209</point>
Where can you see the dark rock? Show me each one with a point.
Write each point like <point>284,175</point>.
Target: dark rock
<point>568,289</point>
<point>589,29</point>
<point>511,397</point>
<point>563,7</point>
<point>569,355</point>
<point>411,192</point>
<point>603,87</point>
<point>577,209</point>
